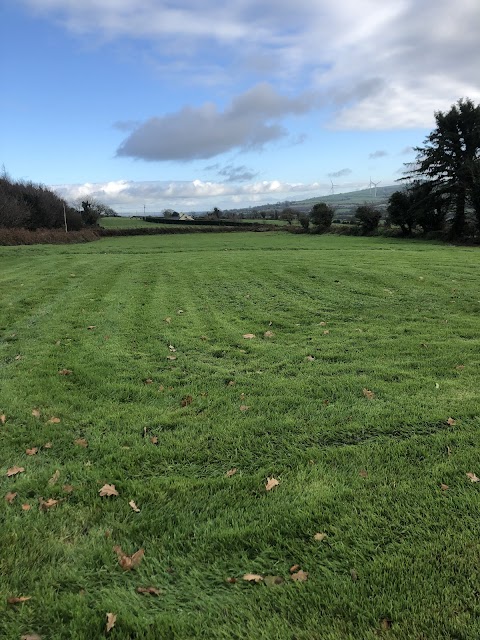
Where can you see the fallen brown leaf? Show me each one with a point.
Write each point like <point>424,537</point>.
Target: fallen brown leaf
<point>459,367</point>
<point>451,422</point>
<point>154,440</point>
<point>310,358</point>
<point>47,504</point>
<point>54,479</point>
<point>353,575</point>
<point>362,473</point>
<point>134,506</point>
<point>68,488</point>
<point>92,326</point>
<point>368,394</point>
<point>129,562</point>
<point>326,332</point>
<point>18,600</point>
<point>444,487</point>
<point>148,381</point>
<point>168,320</point>
<point>171,348</point>
<point>231,580</point>
<point>171,357</point>
<point>385,624</point>
<point>231,383</point>
<point>26,507</point>
<point>10,496</point>
<point>108,490</point>
<point>36,413</point>
<point>300,576</point>
<point>3,418</point>
<point>65,372</point>
<point>271,484</point>
<point>320,536</point>
<point>248,336</point>
<point>54,420</point>
<point>268,334</point>
<point>31,636</point>
<point>231,472</point>
<point>111,619</point>
<point>186,401</point>
<point>149,590</point>
<point>244,407</point>
<point>81,442</point>
<point>31,452</point>
<point>253,577</point>
<point>13,471</point>
<point>473,477</point>
<point>47,445</point>
<point>294,568</point>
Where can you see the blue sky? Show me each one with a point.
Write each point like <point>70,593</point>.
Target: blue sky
<point>190,104</point>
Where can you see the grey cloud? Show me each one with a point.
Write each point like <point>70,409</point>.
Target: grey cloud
<point>340,173</point>
<point>407,151</point>
<point>204,132</point>
<point>381,153</point>
<point>240,173</point>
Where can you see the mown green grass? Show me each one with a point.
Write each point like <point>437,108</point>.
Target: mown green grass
<point>401,557</point>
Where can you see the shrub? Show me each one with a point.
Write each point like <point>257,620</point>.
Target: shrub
<point>321,216</point>
<point>368,217</point>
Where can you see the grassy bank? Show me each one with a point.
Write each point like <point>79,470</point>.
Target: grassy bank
<point>124,362</point>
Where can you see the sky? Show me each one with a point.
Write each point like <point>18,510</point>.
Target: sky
<point>191,104</point>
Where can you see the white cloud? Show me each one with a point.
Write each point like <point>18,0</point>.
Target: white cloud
<point>382,65</point>
<point>130,196</point>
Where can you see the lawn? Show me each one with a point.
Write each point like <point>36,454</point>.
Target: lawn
<point>124,362</point>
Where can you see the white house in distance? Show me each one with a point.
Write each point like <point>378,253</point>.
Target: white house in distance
<point>185,216</point>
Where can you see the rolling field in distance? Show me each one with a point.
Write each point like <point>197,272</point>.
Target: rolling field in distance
<point>123,362</point>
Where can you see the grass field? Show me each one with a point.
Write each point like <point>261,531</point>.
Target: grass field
<point>123,362</point>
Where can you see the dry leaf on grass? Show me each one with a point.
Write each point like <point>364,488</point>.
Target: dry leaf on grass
<point>134,506</point>
<point>444,487</point>
<point>268,334</point>
<point>248,336</point>
<point>81,442</point>
<point>154,440</point>
<point>271,484</point>
<point>13,471</point>
<point>385,624</point>
<point>129,562</point>
<point>36,413</point>
<point>26,507</point>
<point>10,496</point>
<point>362,473</point>
<point>171,348</point>
<point>91,326</point>
<point>65,372</point>
<point>171,357</point>
<point>368,394</point>
<point>54,420</point>
<point>451,422</point>
<point>108,490</point>
<point>326,332</point>
<point>186,401</point>
<point>294,568</point>
<point>168,320</point>
<point>31,636</point>
<point>111,619</point>
<point>148,381</point>
<point>31,452</point>
<point>310,358</point>
<point>54,479</point>
<point>3,418</point>
<point>253,577</point>
<point>472,477</point>
<point>68,488</point>
<point>47,445</point>
<point>320,536</point>
<point>231,472</point>
<point>45,505</point>
<point>18,600</point>
<point>300,576</point>
<point>244,407</point>
<point>149,590</point>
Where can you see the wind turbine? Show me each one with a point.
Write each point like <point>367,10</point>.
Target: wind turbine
<point>332,190</point>
<point>375,185</point>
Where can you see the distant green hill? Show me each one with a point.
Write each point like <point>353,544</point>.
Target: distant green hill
<point>345,203</point>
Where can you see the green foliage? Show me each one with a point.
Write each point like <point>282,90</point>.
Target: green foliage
<point>422,204</point>
<point>450,157</point>
<point>304,221</point>
<point>368,217</point>
<point>288,215</point>
<point>322,215</point>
